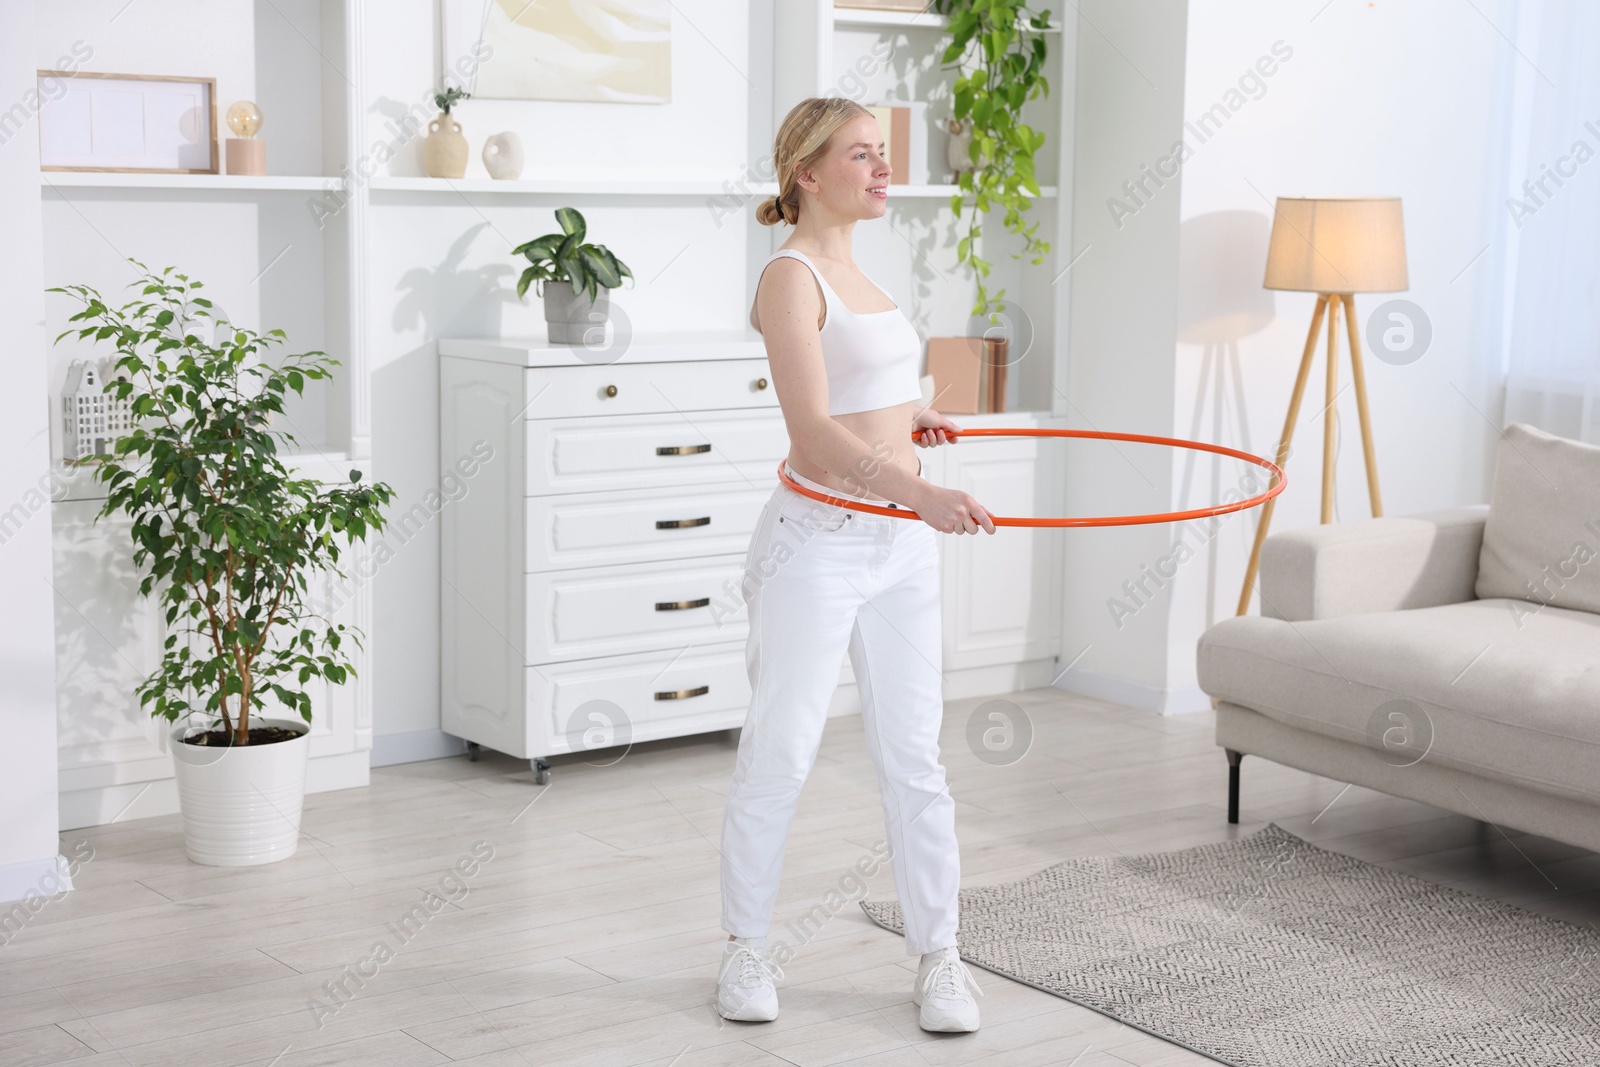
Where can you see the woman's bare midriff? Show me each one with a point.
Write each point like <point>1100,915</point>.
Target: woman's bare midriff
<point>887,433</point>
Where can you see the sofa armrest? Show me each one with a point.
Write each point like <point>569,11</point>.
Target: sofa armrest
<point>1387,564</point>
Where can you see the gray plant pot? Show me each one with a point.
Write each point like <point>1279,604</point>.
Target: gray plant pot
<point>569,314</point>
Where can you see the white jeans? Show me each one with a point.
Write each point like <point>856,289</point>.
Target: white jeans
<point>821,579</point>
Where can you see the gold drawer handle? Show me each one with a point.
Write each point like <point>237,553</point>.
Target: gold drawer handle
<point>761,383</point>
<point>680,694</point>
<point>681,605</point>
<point>611,390</point>
<point>678,524</point>
<point>681,450</point>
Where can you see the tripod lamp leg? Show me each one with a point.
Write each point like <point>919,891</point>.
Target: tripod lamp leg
<point>1283,449</point>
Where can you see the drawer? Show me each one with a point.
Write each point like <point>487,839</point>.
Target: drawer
<point>640,525</point>
<point>563,392</point>
<point>637,607</point>
<point>642,451</point>
<point>589,704</point>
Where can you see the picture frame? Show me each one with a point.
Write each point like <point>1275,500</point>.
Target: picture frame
<point>127,123</point>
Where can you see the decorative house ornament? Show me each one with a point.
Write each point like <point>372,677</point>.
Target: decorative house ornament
<point>502,156</point>
<point>959,151</point>
<point>91,420</point>
<point>245,154</point>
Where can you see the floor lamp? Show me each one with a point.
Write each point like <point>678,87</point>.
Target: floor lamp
<point>1334,247</point>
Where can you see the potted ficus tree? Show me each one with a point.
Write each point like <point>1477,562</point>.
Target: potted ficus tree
<point>232,544</point>
<point>574,278</point>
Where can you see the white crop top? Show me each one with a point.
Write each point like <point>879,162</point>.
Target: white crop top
<point>873,359</point>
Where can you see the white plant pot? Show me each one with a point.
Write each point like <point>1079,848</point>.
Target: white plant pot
<point>241,806</point>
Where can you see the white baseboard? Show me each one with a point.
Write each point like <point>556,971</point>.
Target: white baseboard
<point>1178,700</point>
<point>32,881</point>
<point>414,747</point>
<point>126,801</point>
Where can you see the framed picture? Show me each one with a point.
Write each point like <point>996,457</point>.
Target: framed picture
<point>605,51</point>
<point>127,122</point>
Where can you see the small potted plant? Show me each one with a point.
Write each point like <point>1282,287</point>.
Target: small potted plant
<point>444,150</point>
<point>574,278</point>
<point>232,543</point>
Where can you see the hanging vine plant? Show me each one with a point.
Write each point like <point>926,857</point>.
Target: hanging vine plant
<point>1002,40</point>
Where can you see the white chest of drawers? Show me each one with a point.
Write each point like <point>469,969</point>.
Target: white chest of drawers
<point>595,522</point>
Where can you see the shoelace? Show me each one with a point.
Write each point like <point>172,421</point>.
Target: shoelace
<point>754,968</point>
<point>947,978</point>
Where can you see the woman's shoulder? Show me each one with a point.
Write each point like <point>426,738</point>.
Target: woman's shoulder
<point>789,281</point>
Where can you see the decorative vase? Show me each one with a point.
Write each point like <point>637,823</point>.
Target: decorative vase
<point>570,317</point>
<point>444,150</point>
<point>502,156</point>
<point>241,806</point>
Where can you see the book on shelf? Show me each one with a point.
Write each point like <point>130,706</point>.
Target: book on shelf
<point>905,140</point>
<point>969,374</point>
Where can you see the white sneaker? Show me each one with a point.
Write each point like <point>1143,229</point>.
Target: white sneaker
<point>942,992</point>
<point>744,988</point>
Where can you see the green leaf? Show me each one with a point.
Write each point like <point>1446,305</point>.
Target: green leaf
<point>600,265</point>
<point>571,221</point>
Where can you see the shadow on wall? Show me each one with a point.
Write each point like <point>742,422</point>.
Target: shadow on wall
<point>1222,258</point>
<point>443,300</point>
<point>451,302</point>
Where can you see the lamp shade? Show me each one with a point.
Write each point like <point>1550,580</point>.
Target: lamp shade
<point>1354,244</point>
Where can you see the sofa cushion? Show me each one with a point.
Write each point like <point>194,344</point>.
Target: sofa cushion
<point>1541,542</point>
<point>1507,690</point>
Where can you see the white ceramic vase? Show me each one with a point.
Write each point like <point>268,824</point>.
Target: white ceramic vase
<point>502,156</point>
<point>241,806</point>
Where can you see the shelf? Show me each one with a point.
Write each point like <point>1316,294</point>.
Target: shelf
<point>944,192</point>
<point>326,462</point>
<point>568,187</point>
<point>918,20</point>
<point>92,179</point>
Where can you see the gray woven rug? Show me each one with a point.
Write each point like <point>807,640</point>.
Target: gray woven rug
<point>1270,952</point>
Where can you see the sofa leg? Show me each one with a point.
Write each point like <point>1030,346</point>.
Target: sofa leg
<point>1233,783</point>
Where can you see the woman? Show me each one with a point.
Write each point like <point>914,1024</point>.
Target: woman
<point>821,579</point>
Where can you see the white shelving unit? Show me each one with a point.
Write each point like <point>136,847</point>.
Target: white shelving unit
<point>267,262</point>
<point>570,595</point>
<point>315,252</point>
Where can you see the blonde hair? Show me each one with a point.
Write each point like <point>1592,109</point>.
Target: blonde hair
<point>801,141</point>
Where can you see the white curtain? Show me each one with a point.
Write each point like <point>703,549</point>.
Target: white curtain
<point>1553,376</point>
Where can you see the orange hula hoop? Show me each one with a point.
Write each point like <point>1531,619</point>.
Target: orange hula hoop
<point>1280,479</point>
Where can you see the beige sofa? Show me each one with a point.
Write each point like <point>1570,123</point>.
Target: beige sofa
<point>1451,657</point>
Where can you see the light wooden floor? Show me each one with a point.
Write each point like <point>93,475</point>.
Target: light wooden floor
<point>592,934</point>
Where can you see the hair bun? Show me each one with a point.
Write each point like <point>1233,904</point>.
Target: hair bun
<point>770,213</point>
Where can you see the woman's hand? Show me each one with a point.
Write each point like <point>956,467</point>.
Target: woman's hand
<point>952,511</point>
<point>929,429</point>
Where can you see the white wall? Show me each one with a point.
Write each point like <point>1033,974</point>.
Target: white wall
<point>1363,99</point>
<point>1383,99</point>
<point>1130,85</point>
<point>28,829</point>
